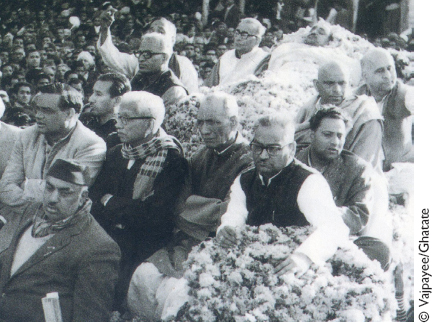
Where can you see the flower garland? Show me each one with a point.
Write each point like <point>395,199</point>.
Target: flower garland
<point>239,284</point>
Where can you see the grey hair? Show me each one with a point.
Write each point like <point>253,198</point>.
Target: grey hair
<point>278,119</point>
<point>162,40</point>
<point>227,101</point>
<point>146,104</point>
<point>366,61</point>
<point>261,29</point>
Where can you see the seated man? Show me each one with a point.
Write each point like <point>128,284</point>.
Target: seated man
<point>358,191</point>
<point>136,192</point>
<point>57,134</point>
<point>284,192</point>
<point>149,71</point>
<point>245,59</point>
<point>364,138</point>
<point>396,103</point>
<point>8,135</point>
<point>213,169</point>
<point>124,63</point>
<point>107,93</point>
<point>59,247</point>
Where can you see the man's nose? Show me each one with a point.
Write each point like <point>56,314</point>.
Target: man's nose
<point>387,74</point>
<point>53,197</point>
<point>264,154</point>
<point>337,89</point>
<point>204,129</point>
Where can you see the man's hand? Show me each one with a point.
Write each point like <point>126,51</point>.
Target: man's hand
<point>227,237</point>
<point>107,17</point>
<point>296,264</point>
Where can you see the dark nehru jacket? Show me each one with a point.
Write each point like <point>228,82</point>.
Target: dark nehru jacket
<point>161,84</point>
<point>277,202</point>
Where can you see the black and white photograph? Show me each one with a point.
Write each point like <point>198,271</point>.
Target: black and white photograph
<point>213,161</point>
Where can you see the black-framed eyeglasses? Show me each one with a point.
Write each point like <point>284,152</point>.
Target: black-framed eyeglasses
<point>125,120</point>
<point>272,150</point>
<point>243,34</point>
<point>146,54</point>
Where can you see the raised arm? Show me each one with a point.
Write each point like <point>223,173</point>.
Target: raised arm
<point>122,63</point>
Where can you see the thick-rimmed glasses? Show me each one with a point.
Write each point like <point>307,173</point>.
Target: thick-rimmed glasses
<point>146,54</point>
<point>243,34</point>
<point>126,120</point>
<point>272,150</point>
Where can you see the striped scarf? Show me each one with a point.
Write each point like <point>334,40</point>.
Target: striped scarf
<point>43,227</point>
<point>154,154</point>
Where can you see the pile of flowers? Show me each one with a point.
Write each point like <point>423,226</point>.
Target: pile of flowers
<point>239,284</point>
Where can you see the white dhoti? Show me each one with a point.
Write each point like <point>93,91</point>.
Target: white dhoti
<point>154,296</point>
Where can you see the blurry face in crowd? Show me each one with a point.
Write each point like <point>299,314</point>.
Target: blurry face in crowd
<point>207,72</point>
<point>319,35</point>
<point>133,131</point>
<point>211,55</point>
<point>242,45</point>
<point>42,82</point>
<point>62,199</point>
<point>158,26</point>
<point>4,56</point>
<point>81,71</point>
<point>24,95</point>
<point>51,73</point>
<point>278,34</point>
<point>46,40</point>
<point>50,119</point>
<point>100,101</point>
<point>87,63</point>
<point>49,50</point>
<point>221,49</point>
<point>190,51</point>
<point>329,139</point>
<point>7,71</point>
<point>60,34</point>
<point>78,86</point>
<point>380,74</point>
<point>331,85</point>
<point>18,42</point>
<point>91,49</point>
<point>43,54</point>
<point>214,125</point>
<point>34,60</point>
<point>71,76</point>
<point>18,55</point>
<point>282,151</point>
<point>81,41</point>
<point>62,69</point>
<point>207,32</point>
<point>230,32</point>
<point>97,21</point>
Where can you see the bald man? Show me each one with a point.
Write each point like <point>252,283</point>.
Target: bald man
<point>365,135</point>
<point>128,65</point>
<point>135,193</point>
<point>245,60</point>
<point>396,103</point>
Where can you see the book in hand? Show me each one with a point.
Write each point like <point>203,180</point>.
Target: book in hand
<point>51,307</point>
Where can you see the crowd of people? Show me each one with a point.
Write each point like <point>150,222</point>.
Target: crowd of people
<point>99,203</point>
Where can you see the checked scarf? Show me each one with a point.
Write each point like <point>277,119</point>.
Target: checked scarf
<point>42,227</point>
<point>154,153</point>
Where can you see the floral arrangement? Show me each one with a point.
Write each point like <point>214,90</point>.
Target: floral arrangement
<point>239,284</point>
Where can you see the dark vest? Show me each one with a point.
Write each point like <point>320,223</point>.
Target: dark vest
<point>165,81</point>
<point>276,203</point>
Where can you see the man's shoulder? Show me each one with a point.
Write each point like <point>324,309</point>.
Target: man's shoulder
<point>353,162</point>
<point>10,129</point>
<point>84,136</point>
<point>94,237</point>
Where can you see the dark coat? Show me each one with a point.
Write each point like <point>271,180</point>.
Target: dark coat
<point>80,263</point>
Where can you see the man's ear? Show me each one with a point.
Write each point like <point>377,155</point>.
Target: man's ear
<point>84,196</point>
<point>315,83</point>
<point>233,123</point>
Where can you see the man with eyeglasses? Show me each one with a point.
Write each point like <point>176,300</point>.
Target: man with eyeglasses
<point>364,137</point>
<point>135,194</point>
<point>245,60</point>
<point>213,169</point>
<point>284,192</point>
<point>57,134</point>
<point>129,65</point>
